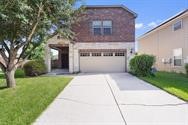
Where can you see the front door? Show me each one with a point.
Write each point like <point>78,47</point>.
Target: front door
<point>65,60</point>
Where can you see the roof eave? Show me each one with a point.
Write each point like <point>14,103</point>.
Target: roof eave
<point>163,23</point>
<point>118,6</point>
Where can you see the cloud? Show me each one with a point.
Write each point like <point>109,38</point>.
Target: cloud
<point>152,24</point>
<point>139,25</point>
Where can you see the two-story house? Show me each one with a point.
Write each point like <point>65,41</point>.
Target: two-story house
<point>168,42</point>
<point>105,41</point>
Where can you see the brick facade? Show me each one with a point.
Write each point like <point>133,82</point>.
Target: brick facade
<point>121,39</point>
<point>123,25</point>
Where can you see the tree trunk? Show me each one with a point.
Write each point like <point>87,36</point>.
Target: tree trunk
<point>9,75</point>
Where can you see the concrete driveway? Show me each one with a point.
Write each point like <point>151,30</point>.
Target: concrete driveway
<point>114,99</point>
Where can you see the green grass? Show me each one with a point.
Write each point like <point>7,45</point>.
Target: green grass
<point>174,83</point>
<point>23,104</point>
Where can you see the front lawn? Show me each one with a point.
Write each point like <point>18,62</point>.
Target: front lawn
<point>23,104</point>
<point>174,83</point>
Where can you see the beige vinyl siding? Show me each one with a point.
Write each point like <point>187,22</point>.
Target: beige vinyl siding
<point>163,41</point>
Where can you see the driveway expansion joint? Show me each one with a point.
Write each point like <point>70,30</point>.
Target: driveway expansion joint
<point>114,97</point>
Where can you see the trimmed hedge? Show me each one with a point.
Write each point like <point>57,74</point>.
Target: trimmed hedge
<point>186,68</point>
<point>35,68</point>
<point>141,65</point>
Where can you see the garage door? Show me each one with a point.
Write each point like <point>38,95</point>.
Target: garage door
<point>103,61</point>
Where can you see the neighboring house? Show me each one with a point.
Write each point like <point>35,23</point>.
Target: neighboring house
<point>168,42</point>
<point>105,41</point>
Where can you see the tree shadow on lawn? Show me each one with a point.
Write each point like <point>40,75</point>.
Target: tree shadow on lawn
<point>2,82</point>
<point>3,87</point>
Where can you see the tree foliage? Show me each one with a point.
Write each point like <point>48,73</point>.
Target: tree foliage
<point>25,24</point>
<point>38,54</point>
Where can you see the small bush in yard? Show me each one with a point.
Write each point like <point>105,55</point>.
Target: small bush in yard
<point>141,65</point>
<point>35,68</point>
<point>19,73</point>
<point>186,68</point>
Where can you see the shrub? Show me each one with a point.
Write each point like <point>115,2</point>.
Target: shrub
<point>35,68</point>
<point>19,73</point>
<point>141,65</point>
<point>186,68</point>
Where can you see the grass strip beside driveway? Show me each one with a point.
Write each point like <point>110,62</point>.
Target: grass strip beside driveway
<point>23,104</point>
<point>174,83</point>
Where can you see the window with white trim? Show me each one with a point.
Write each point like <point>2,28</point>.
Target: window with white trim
<point>97,27</point>
<point>102,27</point>
<point>107,27</point>
<point>96,54</point>
<point>107,54</point>
<point>177,53</point>
<point>119,54</point>
<point>84,54</point>
<point>177,25</point>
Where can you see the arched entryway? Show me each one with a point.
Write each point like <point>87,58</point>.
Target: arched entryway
<point>62,59</point>
<point>59,57</point>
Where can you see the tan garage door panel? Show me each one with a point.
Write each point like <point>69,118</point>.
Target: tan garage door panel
<point>102,63</point>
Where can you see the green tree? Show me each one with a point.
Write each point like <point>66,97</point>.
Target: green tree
<point>25,24</point>
<point>38,54</point>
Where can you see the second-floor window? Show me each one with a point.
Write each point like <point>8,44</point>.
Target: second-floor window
<point>107,27</point>
<point>97,27</point>
<point>177,25</point>
<point>102,27</point>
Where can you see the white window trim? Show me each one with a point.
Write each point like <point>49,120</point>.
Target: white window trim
<point>85,54</point>
<point>177,22</point>
<point>102,27</point>
<point>108,54</point>
<point>181,58</point>
<point>178,66</point>
<point>111,27</point>
<point>96,27</point>
<point>96,54</point>
<point>118,54</point>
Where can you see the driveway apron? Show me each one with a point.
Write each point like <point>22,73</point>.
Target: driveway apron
<point>87,100</point>
<point>114,99</point>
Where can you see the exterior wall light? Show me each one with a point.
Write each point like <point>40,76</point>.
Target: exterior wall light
<point>131,51</point>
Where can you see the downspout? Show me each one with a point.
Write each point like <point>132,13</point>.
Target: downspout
<point>158,49</point>
<point>73,56</point>
<point>72,42</point>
